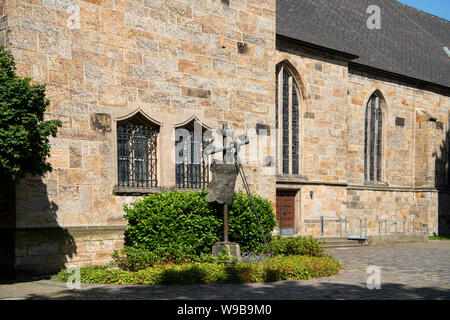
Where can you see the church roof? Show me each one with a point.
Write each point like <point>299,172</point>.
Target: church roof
<point>410,42</point>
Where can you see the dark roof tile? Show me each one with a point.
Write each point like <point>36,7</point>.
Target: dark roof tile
<point>400,46</point>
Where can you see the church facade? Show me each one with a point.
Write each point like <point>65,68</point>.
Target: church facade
<point>336,139</point>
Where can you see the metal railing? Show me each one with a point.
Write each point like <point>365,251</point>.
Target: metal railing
<point>357,227</point>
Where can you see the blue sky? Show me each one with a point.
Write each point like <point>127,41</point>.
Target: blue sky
<point>440,8</point>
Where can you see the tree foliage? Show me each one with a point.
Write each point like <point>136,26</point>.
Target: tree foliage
<point>24,135</point>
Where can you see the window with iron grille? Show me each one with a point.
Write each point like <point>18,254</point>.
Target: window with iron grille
<point>287,121</point>
<point>137,153</point>
<point>191,168</point>
<point>373,138</point>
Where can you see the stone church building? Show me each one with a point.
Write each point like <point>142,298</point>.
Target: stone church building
<point>346,108</point>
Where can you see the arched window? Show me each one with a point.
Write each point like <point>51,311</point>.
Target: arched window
<point>137,152</point>
<point>447,154</point>
<point>191,163</point>
<point>287,121</point>
<point>373,138</point>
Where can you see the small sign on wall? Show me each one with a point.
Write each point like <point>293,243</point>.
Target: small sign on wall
<point>287,232</point>
<point>399,122</point>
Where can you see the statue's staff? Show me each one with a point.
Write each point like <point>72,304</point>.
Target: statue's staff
<point>235,146</point>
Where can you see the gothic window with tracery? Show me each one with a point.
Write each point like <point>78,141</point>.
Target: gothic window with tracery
<point>373,138</point>
<point>287,121</point>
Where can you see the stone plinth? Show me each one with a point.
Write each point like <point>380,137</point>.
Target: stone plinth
<point>231,247</point>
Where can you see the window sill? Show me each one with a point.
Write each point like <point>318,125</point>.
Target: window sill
<point>288,177</point>
<point>133,191</point>
<point>376,183</point>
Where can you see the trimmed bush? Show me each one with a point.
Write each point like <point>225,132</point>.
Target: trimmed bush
<point>174,222</point>
<point>307,246</point>
<point>276,269</point>
<point>138,258</point>
<point>133,259</point>
<point>243,224</point>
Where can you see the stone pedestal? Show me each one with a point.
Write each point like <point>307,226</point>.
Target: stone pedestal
<point>231,247</point>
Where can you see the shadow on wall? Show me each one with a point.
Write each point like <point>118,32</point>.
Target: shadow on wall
<point>35,244</point>
<point>7,226</point>
<point>442,178</point>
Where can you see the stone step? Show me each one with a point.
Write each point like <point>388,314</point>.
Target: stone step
<point>321,239</point>
<point>346,245</point>
<point>338,241</point>
<point>342,242</point>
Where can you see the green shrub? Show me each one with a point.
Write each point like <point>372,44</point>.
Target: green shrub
<point>276,269</point>
<point>183,221</point>
<point>243,224</point>
<point>307,246</point>
<point>441,237</point>
<point>133,259</point>
<point>138,258</point>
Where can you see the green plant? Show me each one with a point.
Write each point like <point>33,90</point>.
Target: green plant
<point>111,264</point>
<point>243,224</point>
<point>183,221</point>
<point>276,269</point>
<point>224,257</point>
<point>133,259</point>
<point>139,258</point>
<point>177,253</point>
<point>441,237</point>
<point>296,246</point>
<point>24,143</point>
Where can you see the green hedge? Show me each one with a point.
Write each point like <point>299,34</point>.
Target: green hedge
<point>276,269</point>
<point>175,222</point>
<point>138,258</point>
<point>441,237</point>
<point>300,245</point>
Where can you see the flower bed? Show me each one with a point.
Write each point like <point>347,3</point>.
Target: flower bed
<point>294,267</point>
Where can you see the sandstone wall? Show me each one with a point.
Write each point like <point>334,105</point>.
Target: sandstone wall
<point>48,250</point>
<point>332,144</point>
<point>174,60</point>
<point>213,61</point>
<point>171,59</point>
<point>323,124</point>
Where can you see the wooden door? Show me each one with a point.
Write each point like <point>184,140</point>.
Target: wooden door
<point>286,212</point>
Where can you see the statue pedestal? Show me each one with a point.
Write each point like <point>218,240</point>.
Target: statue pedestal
<point>231,247</point>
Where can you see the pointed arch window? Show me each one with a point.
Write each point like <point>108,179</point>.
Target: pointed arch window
<point>287,121</point>
<point>191,163</point>
<point>446,168</point>
<point>137,152</point>
<point>373,138</point>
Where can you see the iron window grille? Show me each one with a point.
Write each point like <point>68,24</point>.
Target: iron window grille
<point>137,154</point>
<point>287,121</point>
<point>373,143</point>
<point>191,168</point>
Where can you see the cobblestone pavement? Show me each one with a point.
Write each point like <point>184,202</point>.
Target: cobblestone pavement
<point>408,271</point>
